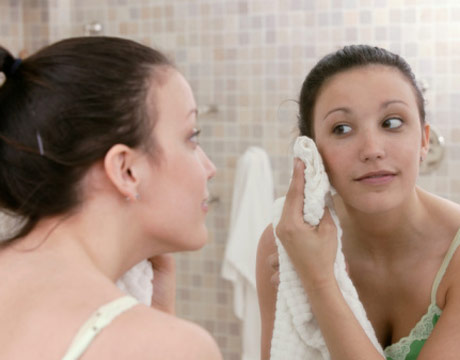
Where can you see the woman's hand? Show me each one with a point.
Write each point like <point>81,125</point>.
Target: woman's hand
<point>312,249</point>
<point>274,263</point>
<point>164,283</point>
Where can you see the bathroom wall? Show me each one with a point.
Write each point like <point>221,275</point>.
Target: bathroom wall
<point>27,25</point>
<point>249,58</point>
<point>11,26</point>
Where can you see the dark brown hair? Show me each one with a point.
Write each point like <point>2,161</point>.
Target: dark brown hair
<point>61,110</point>
<point>344,59</point>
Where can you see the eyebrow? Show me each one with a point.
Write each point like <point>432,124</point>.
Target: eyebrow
<point>389,102</point>
<point>348,111</point>
<point>344,109</point>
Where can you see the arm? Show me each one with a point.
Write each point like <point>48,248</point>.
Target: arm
<point>312,251</point>
<point>267,287</point>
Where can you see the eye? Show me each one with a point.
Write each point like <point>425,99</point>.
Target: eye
<point>341,129</point>
<point>195,135</point>
<point>392,123</point>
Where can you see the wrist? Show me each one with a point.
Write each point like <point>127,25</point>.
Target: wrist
<point>320,283</point>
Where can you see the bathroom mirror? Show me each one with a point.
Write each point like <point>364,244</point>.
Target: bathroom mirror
<point>245,58</point>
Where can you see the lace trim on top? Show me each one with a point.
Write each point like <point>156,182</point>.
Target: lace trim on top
<point>421,332</point>
<point>423,329</point>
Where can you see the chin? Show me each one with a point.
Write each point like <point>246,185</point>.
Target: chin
<point>196,242</point>
<point>376,204</point>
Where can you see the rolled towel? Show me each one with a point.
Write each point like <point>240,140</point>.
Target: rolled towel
<point>138,282</point>
<point>296,334</point>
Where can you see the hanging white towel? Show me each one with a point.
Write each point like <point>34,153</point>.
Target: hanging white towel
<point>296,334</point>
<point>138,282</point>
<point>251,213</point>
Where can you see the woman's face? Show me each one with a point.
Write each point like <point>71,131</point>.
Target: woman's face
<point>174,189</point>
<point>367,128</point>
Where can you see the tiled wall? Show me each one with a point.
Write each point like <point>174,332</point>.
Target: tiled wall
<point>36,24</point>
<point>25,24</point>
<point>11,29</point>
<point>249,58</point>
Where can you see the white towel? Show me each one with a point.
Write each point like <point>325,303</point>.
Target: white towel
<point>250,215</point>
<point>138,282</point>
<point>296,334</point>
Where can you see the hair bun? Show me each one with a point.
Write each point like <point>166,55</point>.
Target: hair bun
<point>8,64</point>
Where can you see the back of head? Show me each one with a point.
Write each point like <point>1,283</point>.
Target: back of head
<point>61,110</point>
<point>345,59</point>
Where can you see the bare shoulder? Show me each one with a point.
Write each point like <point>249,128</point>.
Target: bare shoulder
<point>449,288</point>
<point>146,333</point>
<point>443,212</point>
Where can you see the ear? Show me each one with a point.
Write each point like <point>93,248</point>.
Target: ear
<point>119,168</point>
<point>425,140</point>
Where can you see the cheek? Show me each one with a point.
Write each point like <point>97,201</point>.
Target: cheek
<point>334,159</point>
<point>189,177</point>
<point>407,151</point>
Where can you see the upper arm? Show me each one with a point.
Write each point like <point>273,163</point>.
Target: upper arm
<point>266,288</point>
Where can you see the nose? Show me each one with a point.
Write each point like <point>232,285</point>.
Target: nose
<point>372,146</point>
<point>208,165</point>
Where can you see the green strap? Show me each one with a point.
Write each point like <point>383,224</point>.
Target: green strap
<point>442,270</point>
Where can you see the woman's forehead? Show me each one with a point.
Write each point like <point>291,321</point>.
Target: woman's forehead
<point>372,82</point>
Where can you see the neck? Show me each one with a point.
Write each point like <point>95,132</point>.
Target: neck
<point>387,233</point>
<point>89,240</point>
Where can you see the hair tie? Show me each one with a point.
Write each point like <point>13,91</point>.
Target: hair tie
<point>12,69</point>
<point>40,144</point>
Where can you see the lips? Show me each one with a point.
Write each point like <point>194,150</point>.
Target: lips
<point>205,204</point>
<point>376,177</point>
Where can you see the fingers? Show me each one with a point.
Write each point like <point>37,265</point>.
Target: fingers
<point>327,225</point>
<point>293,205</point>
<point>275,279</point>
<point>273,261</point>
<point>274,264</point>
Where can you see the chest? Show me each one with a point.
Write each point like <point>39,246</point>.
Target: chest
<point>395,299</point>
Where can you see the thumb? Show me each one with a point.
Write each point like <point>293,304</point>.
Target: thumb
<point>327,224</point>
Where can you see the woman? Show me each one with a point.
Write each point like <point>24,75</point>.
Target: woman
<point>100,158</point>
<point>362,107</point>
